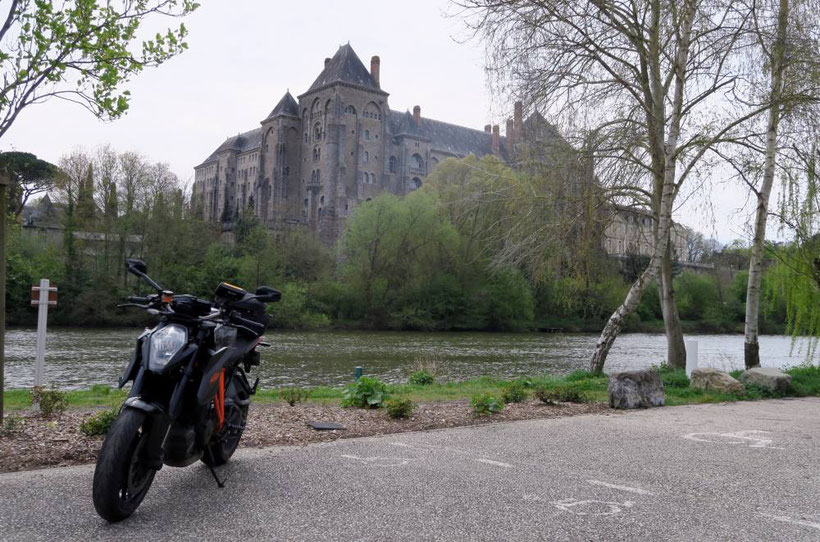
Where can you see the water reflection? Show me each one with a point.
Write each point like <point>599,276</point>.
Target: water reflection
<point>78,358</point>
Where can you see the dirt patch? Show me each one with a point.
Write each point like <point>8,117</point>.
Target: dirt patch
<point>35,442</point>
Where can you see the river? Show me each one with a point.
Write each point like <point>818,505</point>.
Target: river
<point>77,358</point>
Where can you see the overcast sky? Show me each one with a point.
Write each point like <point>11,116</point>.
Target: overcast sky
<point>245,54</point>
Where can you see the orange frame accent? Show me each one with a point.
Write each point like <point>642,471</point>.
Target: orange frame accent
<point>219,401</point>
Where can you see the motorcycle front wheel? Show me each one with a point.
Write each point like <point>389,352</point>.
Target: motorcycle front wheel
<point>121,478</point>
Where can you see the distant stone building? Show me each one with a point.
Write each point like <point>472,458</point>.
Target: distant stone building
<point>630,232</point>
<point>312,160</point>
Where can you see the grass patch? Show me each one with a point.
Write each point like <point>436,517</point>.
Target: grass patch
<point>805,382</point>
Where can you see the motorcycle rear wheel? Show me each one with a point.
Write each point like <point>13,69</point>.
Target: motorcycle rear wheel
<point>225,442</point>
<point>121,479</point>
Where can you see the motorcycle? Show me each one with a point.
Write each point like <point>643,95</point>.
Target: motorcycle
<point>190,394</point>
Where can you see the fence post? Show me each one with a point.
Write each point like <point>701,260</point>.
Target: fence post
<point>691,356</point>
<point>42,321</point>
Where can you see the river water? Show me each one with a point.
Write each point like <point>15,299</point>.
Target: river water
<point>77,358</point>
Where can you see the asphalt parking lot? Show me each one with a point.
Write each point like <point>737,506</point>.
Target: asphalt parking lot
<point>745,471</point>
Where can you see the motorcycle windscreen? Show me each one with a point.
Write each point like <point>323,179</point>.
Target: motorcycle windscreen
<point>210,380</point>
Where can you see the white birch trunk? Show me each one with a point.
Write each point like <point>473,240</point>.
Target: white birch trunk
<point>751,347</point>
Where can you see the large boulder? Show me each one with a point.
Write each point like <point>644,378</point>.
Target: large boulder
<point>636,389</point>
<point>714,380</point>
<point>767,378</point>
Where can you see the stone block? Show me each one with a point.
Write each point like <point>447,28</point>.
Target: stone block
<point>636,389</point>
<point>714,380</point>
<point>767,378</point>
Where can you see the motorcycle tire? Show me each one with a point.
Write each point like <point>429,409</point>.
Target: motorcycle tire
<point>121,480</point>
<point>224,443</point>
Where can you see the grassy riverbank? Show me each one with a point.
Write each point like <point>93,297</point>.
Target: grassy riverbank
<point>805,382</point>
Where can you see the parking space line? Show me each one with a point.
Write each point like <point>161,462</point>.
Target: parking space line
<point>637,490</point>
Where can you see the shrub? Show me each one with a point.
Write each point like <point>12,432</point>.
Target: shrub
<point>399,408</point>
<point>421,378</point>
<point>12,424</point>
<point>514,392</point>
<point>561,393</point>
<point>486,404</point>
<point>99,423</point>
<point>367,392</point>
<point>294,395</point>
<point>51,401</point>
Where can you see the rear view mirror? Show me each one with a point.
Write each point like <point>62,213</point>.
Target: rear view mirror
<point>133,264</point>
<point>267,294</point>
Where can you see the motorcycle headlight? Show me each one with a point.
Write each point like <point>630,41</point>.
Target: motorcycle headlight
<point>165,343</point>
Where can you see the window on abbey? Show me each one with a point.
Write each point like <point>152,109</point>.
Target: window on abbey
<point>366,157</point>
<point>367,135</point>
<point>417,162</point>
<point>350,110</point>
<point>392,164</point>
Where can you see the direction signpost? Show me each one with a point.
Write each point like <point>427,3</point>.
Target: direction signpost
<point>42,297</point>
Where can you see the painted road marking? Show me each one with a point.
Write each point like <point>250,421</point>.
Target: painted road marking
<point>378,461</point>
<point>786,519</point>
<point>496,463</point>
<point>637,490</point>
<point>754,438</point>
<point>591,507</point>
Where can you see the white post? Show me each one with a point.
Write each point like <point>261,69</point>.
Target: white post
<point>691,356</point>
<point>42,320</point>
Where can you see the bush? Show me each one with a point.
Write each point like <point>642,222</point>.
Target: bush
<point>514,392</point>
<point>486,404</point>
<point>294,395</point>
<point>12,424</point>
<point>99,423</point>
<point>51,401</point>
<point>421,378</point>
<point>399,408</point>
<point>367,392</point>
<point>560,394</point>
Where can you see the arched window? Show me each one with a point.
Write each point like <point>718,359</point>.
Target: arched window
<point>316,108</point>
<point>306,202</point>
<point>366,157</point>
<point>417,162</point>
<point>322,200</point>
<point>317,132</point>
<point>364,178</point>
<point>306,137</point>
<point>415,183</point>
<point>320,212</point>
<point>367,135</point>
<point>317,153</point>
<point>393,164</point>
<point>350,110</point>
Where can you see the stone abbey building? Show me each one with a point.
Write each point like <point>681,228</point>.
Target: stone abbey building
<point>317,156</point>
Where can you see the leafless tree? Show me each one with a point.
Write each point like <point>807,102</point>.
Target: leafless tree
<point>651,78</point>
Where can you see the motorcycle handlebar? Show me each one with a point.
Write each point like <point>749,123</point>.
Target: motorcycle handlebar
<point>140,300</point>
<point>256,327</point>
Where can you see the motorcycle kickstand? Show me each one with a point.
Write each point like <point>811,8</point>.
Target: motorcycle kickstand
<point>210,464</point>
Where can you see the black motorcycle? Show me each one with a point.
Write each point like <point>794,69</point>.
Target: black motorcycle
<point>190,394</point>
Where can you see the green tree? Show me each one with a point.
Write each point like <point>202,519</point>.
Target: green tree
<point>28,176</point>
<point>82,51</point>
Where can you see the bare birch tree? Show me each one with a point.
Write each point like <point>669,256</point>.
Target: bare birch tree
<point>786,36</point>
<point>651,75</point>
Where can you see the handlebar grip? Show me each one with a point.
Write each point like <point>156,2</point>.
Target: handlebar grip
<point>140,300</point>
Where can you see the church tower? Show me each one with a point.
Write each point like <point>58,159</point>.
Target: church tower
<point>343,116</point>
<point>277,186</point>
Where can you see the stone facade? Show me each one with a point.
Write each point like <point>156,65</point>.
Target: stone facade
<point>313,159</point>
<point>629,232</point>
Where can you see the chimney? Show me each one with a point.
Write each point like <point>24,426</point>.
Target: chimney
<point>417,114</point>
<point>518,119</point>
<point>375,64</point>
<point>496,137</point>
<point>510,133</point>
<point>488,128</point>
<point>327,61</point>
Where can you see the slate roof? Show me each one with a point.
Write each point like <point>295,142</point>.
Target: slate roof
<point>241,143</point>
<point>345,67</point>
<point>286,106</point>
<point>444,136</point>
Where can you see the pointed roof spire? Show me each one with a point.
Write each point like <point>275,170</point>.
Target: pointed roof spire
<point>286,106</point>
<point>345,67</point>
